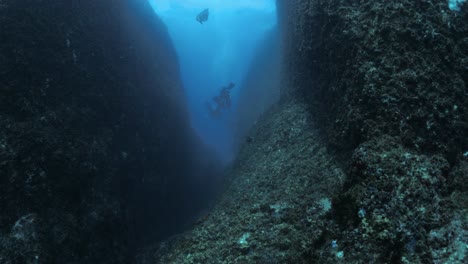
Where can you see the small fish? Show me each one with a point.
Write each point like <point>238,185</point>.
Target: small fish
<point>203,16</point>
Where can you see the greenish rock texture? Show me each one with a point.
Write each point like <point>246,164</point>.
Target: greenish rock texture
<point>364,159</point>
<point>93,132</point>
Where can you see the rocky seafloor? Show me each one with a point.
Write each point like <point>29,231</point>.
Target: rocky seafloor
<point>280,191</point>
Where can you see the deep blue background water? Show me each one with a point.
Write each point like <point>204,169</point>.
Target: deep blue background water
<point>213,54</point>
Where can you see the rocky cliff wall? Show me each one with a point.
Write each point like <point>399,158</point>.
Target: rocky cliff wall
<point>94,137</point>
<point>374,68</point>
<point>387,82</point>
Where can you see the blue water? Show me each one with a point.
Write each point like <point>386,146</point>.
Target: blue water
<point>213,54</point>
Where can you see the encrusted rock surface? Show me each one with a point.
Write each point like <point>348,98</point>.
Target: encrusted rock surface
<point>93,131</point>
<point>274,208</point>
<point>374,68</point>
<point>387,81</point>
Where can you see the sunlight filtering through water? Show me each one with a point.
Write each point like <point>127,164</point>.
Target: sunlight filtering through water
<point>213,54</point>
<point>264,5</point>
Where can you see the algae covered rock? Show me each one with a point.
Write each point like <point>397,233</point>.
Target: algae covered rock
<point>395,197</point>
<point>381,68</point>
<point>277,201</point>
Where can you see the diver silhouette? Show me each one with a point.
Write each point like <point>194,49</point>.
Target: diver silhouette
<point>222,101</point>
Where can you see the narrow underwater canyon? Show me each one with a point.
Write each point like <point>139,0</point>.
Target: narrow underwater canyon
<point>364,158</point>
<point>360,157</point>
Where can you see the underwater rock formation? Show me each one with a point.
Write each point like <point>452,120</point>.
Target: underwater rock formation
<point>364,159</point>
<point>274,209</point>
<point>396,68</point>
<point>93,131</point>
<point>386,81</point>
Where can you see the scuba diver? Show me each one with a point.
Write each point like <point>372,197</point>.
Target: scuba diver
<point>222,101</point>
<point>203,16</point>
